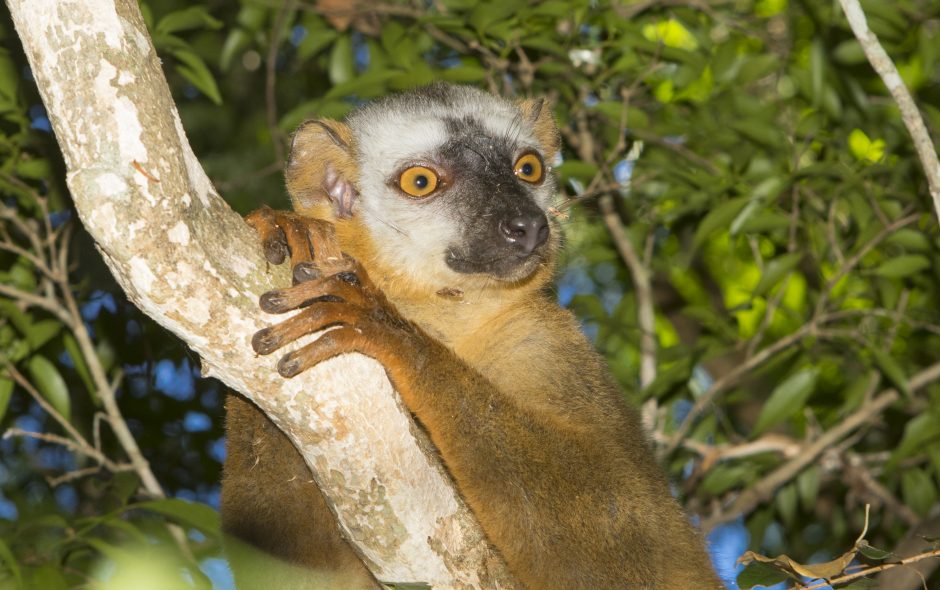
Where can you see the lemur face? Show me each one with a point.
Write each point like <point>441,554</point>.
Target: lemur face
<point>453,181</point>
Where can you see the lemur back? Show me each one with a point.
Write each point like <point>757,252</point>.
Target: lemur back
<point>440,197</point>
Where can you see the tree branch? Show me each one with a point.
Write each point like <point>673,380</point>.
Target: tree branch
<point>194,266</point>
<point>879,60</point>
<point>749,499</point>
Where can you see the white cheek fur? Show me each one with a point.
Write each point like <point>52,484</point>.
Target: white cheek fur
<point>411,237</point>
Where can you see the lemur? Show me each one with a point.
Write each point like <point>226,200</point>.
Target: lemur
<point>435,204</point>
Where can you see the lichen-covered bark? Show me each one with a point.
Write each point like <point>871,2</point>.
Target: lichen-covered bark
<point>191,263</point>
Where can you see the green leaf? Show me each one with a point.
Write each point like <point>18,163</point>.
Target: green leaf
<point>817,65</point>
<point>9,76</point>
<point>808,486</point>
<point>81,367</point>
<point>775,271</point>
<point>186,19</point>
<point>760,574</point>
<point>892,370</point>
<point>670,33</point>
<point>785,500</point>
<point>192,514</point>
<point>50,384</point>
<point>236,42</point>
<point>38,333</point>
<point>486,14</point>
<point>8,558</point>
<point>47,577</point>
<point>724,477</point>
<point>6,391</point>
<point>342,62</point>
<point>315,42</point>
<point>33,168</point>
<point>902,266</point>
<point>577,169</point>
<point>910,239</point>
<point>194,69</point>
<point>865,149</point>
<point>466,73</point>
<point>921,430</point>
<point>787,399</point>
<point>718,218</point>
<point>918,490</point>
<point>849,52</point>
<point>872,552</point>
<point>367,85</point>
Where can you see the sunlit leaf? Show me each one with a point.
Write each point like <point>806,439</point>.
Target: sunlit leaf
<point>865,149</point>
<point>671,33</point>
<point>775,270</point>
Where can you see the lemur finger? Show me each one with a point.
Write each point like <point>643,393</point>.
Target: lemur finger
<point>298,240</point>
<point>333,343</point>
<point>328,256</point>
<point>273,240</point>
<point>309,321</point>
<point>302,294</point>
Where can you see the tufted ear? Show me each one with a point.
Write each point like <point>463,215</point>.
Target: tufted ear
<point>537,112</point>
<point>321,168</point>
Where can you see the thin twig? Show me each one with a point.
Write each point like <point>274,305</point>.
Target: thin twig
<point>871,570</point>
<point>79,446</point>
<point>270,81</point>
<point>43,403</point>
<point>882,64</point>
<point>730,379</point>
<point>764,489</point>
<point>31,299</point>
<point>642,286</point>
<point>853,260</point>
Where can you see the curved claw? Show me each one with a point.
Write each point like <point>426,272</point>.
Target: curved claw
<point>265,341</point>
<point>305,271</point>
<point>275,247</point>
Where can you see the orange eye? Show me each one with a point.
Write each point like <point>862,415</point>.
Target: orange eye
<point>529,168</point>
<point>418,181</point>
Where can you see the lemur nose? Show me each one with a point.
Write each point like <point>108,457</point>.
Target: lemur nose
<point>526,231</point>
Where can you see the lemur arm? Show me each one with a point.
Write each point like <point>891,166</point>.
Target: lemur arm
<point>513,463</point>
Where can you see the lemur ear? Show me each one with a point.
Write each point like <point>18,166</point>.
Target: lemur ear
<point>539,115</point>
<point>321,169</point>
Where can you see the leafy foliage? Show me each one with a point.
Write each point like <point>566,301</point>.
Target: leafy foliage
<point>759,168</point>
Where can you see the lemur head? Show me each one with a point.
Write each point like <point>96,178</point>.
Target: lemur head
<point>451,184</point>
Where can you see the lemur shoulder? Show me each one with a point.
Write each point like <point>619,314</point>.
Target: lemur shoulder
<point>438,199</point>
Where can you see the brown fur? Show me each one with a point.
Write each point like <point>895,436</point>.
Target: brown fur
<point>525,414</point>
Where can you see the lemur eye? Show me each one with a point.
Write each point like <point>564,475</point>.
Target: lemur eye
<point>529,168</point>
<point>418,181</point>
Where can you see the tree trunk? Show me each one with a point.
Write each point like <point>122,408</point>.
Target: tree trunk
<point>189,262</point>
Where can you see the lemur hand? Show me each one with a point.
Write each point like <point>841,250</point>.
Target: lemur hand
<point>334,291</point>
<point>362,319</point>
<point>310,243</point>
